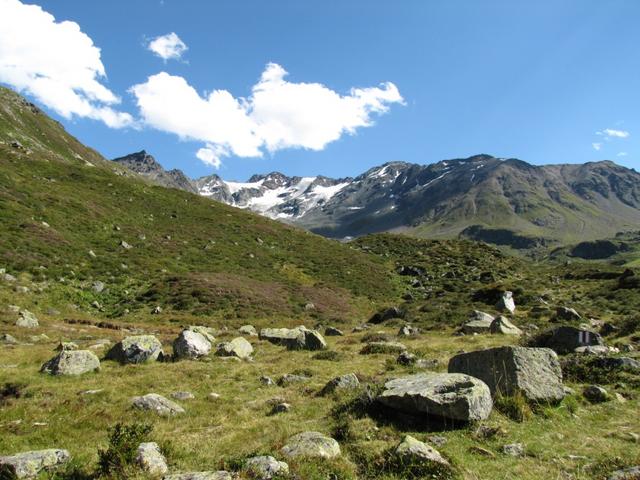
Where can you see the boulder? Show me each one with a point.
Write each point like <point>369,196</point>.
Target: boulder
<point>206,332</point>
<point>219,475</point>
<point>344,382</point>
<point>506,303</point>
<point>30,464</point>
<point>382,347</point>
<point>631,473</point>
<point>238,347</point>
<point>157,403</point>
<point>451,396</point>
<point>502,325</point>
<point>150,459</point>
<point>66,346</point>
<point>265,467</point>
<point>289,378</point>
<point>26,319</point>
<point>566,339</point>
<point>513,449</point>
<point>386,314</point>
<point>248,330</point>
<point>412,452</point>
<point>311,444</point>
<point>191,345</point>
<point>72,362</point>
<point>479,322</point>
<point>333,332</point>
<point>595,394</point>
<point>533,372</point>
<point>566,313</point>
<point>299,338</point>
<point>8,339</point>
<point>408,331</point>
<point>617,363</point>
<point>136,349</point>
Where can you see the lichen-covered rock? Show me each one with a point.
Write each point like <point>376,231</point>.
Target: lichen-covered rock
<point>150,459</point>
<point>248,330</point>
<point>30,464</point>
<point>479,322</point>
<point>72,362</point>
<point>191,345</point>
<point>219,475</point>
<point>265,467</point>
<point>595,394</point>
<point>238,347</point>
<point>206,332</point>
<point>453,396</point>
<point>533,372</point>
<point>503,326</point>
<point>299,338</point>
<point>413,452</point>
<point>136,349</point>
<point>343,382</point>
<point>26,319</point>
<point>312,445</point>
<point>157,403</point>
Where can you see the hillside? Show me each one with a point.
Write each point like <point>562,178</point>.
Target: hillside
<point>70,217</point>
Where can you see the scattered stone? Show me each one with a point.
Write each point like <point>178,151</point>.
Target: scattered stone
<point>206,332</point>
<point>150,459</point>
<point>502,325</point>
<point>566,339</point>
<point>408,331</point>
<point>592,350</point>
<point>136,349</point>
<point>8,339</point>
<point>7,277</point>
<point>333,332</point>
<point>183,396</point>
<point>486,432</point>
<point>156,310</point>
<point>281,408</point>
<point>506,302</point>
<point>91,392</point>
<point>407,359</point>
<point>383,347</point>
<point>452,396</point>
<point>98,286</point>
<point>238,347</point>
<point>248,330</point>
<point>265,468</point>
<point>267,381</point>
<point>386,314</point>
<point>92,254</point>
<point>416,453</point>
<point>219,475</point>
<point>565,313</point>
<point>191,345</point>
<point>289,378</point>
<point>312,445</point>
<point>30,464</point>
<point>631,473</point>
<point>479,322</point>
<point>66,346</point>
<point>26,319</point>
<point>125,245</point>
<point>534,372</point>
<point>482,451</point>
<point>38,338</point>
<point>617,363</point>
<point>344,382</point>
<point>157,403</point>
<point>213,396</point>
<point>21,289</point>
<point>299,338</point>
<point>438,440</point>
<point>72,362</point>
<point>595,394</point>
<point>513,449</point>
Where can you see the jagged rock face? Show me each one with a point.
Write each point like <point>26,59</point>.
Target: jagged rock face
<point>144,164</point>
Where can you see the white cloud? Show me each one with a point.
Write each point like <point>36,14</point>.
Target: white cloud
<point>596,146</point>
<point>609,133</point>
<point>56,63</point>
<point>278,114</point>
<point>622,154</point>
<point>168,46</point>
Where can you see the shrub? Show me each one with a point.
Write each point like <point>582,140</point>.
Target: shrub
<point>118,459</point>
<point>330,355</point>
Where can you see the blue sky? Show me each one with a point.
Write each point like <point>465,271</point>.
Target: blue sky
<point>546,81</point>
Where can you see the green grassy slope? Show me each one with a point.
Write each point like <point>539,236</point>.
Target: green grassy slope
<point>60,200</point>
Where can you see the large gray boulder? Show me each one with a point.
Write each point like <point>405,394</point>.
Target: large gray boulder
<point>191,345</point>
<point>136,349</point>
<point>299,338</point>
<point>30,464</point>
<point>248,330</point>
<point>453,396</point>
<point>26,319</point>
<point>238,347</point>
<point>566,339</point>
<point>533,372</point>
<point>311,444</point>
<point>343,382</point>
<point>219,475</point>
<point>413,452</point>
<point>265,468</point>
<point>479,322</point>
<point>151,460</point>
<point>72,362</point>
<point>206,332</point>
<point>506,303</point>
<point>157,403</point>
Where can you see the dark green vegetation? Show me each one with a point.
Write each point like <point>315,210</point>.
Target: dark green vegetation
<point>205,263</point>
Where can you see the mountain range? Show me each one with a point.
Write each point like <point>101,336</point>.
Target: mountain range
<point>503,201</point>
